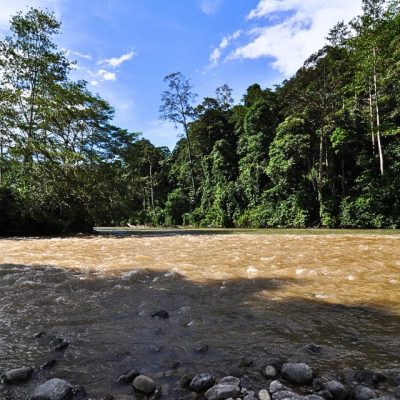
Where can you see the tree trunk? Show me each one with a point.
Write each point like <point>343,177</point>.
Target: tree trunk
<point>371,118</point>
<point>378,124</point>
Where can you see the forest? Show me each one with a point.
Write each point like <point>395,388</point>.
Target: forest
<point>321,149</point>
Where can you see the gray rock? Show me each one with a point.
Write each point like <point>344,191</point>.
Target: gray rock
<point>326,394</point>
<point>363,393</point>
<point>222,392</point>
<point>79,393</point>
<point>313,397</point>
<point>337,390</point>
<point>269,372</point>
<point>297,373</point>
<point>386,398</point>
<point>49,364</point>
<point>249,397</point>
<point>128,377</point>
<point>184,383</point>
<point>201,382</point>
<point>160,314</point>
<point>54,389</point>
<point>18,375</point>
<point>144,384</point>
<point>397,392</point>
<point>263,394</point>
<point>286,394</point>
<point>230,380</point>
<point>276,386</point>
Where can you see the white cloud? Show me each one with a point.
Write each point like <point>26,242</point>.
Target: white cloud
<point>290,38</point>
<point>106,75</point>
<point>210,6</point>
<point>11,7</point>
<point>116,61</point>
<point>225,42</point>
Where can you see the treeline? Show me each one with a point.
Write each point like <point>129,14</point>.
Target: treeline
<point>321,149</point>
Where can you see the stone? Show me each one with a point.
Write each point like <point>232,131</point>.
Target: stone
<point>18,375</point>
<point>313,397</point>
<point>313,348</point>
<point>286,394</point>
<point>79,393</point>
<point>386,398</point>
<point>299,373</point>
<point>144,384</point>
<point>363,393</point>
<point>263,394</point>
<point>108,397</point>
<point>128,377</point>
<point>337,390</point>
<point>249,397</point>
<point>39,335</point>
<point>184,383</point>
<point>49,364</point>
<point>269,372</point>
<point>230,380</point>
<point>397,392</point>
<point>54,389</point>
<point>201,382</point>
<point>160,314</point>
<point>326,394</point>
<point>368,377</point>
<point>276,386</point>
<point>222,392</point>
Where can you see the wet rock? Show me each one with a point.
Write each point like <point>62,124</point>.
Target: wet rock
<point>79,393</point>
<point>337,390</point>
<point>230,380</point>
<point>263,394</point>
<point>201,382</point>
<point>297,373</point>
<point>144,384</point>
<point>128,377</point>
<point>313,348</point>
<point>49,364</point>
<point>368,377</point>
<point>18,375</point>
<point>39,335</point>
<point>386,398</point>
<point>326,394</point>
<point>363,393</point>
<point>62,346</point>
<point>276,386</point>
<point>222,392</point>
<point>54,389</point>
<point>313,397</point>
<point>249,397</point>
<point>269,372</point>
<point>202,348</point>
<point>286,394</point>
<point>397,392</point>
<point>160,314</point>
<point>108,397</point>
<point>184,383</point>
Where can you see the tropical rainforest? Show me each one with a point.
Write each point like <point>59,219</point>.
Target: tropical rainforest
<point>321,149</point>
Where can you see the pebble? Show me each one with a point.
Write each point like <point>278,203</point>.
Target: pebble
<point>263,394</point>
<point>269,372</point>
<point>337,390</point>
<point>230,380</point>
<point>222,392</point>
<point>144,384</point>
<point>18,375</point>
<point>201,382</point>
<point>299,373</point>
<point>363,393</point>
<point>128,377</point>
<point>54,389</point>
<point>276,386</point>
<point>286,394</point>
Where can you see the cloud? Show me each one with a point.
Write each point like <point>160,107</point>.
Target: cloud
<point>218,51</point>
<point>9,8</point>
<point>106,75</point>
<point>116,61</point>
<point>291,30</point>
<point>210,7</point>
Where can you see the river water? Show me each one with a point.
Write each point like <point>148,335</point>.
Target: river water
<point>255,297</point>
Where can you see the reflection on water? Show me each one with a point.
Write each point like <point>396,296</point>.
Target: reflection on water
<point>252,296</point>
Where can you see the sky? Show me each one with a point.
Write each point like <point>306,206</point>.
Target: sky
<point>125,48</point>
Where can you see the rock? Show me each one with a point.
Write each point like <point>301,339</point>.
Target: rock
<point>184,383</point>
<point>286,394</point>
<point>201,382</point>
<point>128,377</point>
<point>222,392</point>
<point>397,392</point>
<point>249,397</point>
<point>269,372</point>
<point>263,394</point>
<point>313,348</point>
<point>49,364</point>
<point>276,386</point>
<point>230,380</point>
<point>39,335</point>
<point>363,393</point>
<point>108,397</point>
<point>63,346</point>
<point>144,384</point>
<point>326,394</point>
<point>386,398</point>
<point>54,389</point>
<point>18,375</point>
<point>297,373</point>
<point>313,397</point>
<point>369,377</point>
<point>79,393</point>
<point>337,390</point>
<point>160,314</point>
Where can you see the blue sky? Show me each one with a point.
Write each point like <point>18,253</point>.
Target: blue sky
<point>124,48</point>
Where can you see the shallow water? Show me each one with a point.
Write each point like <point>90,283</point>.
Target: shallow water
<point>244,295</point>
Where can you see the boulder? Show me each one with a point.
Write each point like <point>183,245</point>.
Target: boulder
<point>299,373</point>
<point>144,384</point>
<point>54,389</point>
<point>18,375</point>
<point>201,382</point>
<point>222,392</point>
<point>363,393</point>
<point>337,390</point>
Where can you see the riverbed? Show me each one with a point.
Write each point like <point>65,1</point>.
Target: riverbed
<point>235,302</point>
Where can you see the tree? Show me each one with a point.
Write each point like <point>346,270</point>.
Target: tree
<point>177,107</point>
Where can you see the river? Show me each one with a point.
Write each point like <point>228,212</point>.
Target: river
<point>231,298</point>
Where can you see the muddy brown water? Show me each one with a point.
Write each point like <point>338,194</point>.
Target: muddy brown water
<point>251,296</point>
